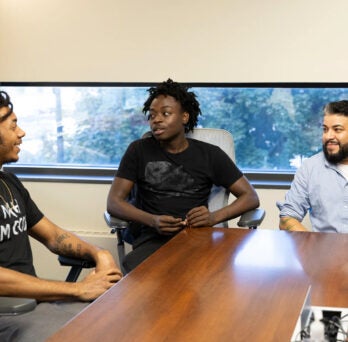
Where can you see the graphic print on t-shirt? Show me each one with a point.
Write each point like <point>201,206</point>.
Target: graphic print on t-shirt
<point>168,179</point>
<point>12,222</point>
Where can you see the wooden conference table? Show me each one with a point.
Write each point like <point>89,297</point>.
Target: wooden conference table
<point>215,284</point>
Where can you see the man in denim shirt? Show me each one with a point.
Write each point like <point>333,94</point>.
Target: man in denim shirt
<point>320,186</point>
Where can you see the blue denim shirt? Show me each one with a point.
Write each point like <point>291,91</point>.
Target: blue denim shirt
<point>320,189</point>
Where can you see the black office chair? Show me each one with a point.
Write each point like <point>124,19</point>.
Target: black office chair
<point>16,306</point>
<point>218,197</point>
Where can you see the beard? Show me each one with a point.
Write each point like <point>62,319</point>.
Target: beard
<point>338,156</point>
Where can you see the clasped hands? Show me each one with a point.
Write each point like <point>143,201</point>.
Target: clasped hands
<point>196,217</point>
<point>103,277</point>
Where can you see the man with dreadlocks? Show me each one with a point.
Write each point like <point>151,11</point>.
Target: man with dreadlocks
<point>174,175</point>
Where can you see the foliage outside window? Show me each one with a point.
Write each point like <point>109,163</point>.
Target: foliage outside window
<point>274,126</point>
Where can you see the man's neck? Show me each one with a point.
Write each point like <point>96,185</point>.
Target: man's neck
<point>176,145</point>
<point>176,148</point>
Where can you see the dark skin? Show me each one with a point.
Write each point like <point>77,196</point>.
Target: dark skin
<point>167,123</point>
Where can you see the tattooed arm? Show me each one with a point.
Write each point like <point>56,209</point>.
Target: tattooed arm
<point>62,242</point>
<point>59,241</point>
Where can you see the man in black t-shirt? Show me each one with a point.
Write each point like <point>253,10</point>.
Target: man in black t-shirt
<point>174,175</point>
<point>17,213</point>
<point>19,219</point>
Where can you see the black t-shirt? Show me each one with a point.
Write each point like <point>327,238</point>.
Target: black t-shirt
<point>18,213</point>
<point>172,184</point>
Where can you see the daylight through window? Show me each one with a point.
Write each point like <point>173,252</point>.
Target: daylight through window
<point>274,126</point>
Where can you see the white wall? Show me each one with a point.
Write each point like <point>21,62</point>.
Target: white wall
<point>150,40</point>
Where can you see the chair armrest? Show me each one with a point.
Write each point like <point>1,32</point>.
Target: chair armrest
<point>10,306</point>
<point>69,261</point>
<point>252,218</point>
<point>76,266</point>
<point>114,222</point>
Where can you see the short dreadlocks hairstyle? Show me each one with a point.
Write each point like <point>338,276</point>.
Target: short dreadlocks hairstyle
<point>5,102</point>
<point>338,107</point>
<point>180,92</point>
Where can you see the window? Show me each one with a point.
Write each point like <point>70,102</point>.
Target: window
<point>88,126</point>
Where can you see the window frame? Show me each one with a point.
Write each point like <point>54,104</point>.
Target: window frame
<point>105,175</point>
<point>95,175</point>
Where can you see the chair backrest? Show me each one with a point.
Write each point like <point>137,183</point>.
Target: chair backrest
<point>217,136</point>
<point>218,196</point>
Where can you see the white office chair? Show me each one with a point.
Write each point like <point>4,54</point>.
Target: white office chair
<point>218,197</point>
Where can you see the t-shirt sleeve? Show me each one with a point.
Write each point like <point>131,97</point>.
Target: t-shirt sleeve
<point>129,162</point>
<point>226,171</point>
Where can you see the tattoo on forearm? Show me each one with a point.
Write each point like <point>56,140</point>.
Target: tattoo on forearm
<point>67,248</point>
<point>78,249</point>
<point>61,238</point>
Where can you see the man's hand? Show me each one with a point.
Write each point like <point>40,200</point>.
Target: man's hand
<point>200,217</point>
<point>105,275</point>
<point>168,225</point>
<point>291,224</point>
<point>96,283</point>
<point>105,261</point>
